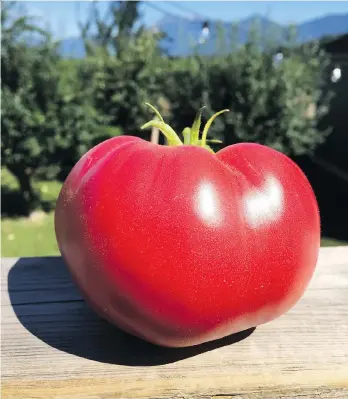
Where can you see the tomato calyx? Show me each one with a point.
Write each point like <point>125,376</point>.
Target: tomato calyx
<point>190,134</point>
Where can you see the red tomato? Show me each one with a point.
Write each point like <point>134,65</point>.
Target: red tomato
<point>180,246</point>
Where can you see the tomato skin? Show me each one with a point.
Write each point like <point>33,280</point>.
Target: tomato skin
<point>179,246</point>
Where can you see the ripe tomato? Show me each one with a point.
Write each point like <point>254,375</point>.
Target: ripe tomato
<point>180,246</point>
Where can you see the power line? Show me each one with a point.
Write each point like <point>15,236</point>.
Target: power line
<point>205,27</point>
<point>163,11</point>
<point>186,9</point>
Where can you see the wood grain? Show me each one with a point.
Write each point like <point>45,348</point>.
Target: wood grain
<point>54,346</point>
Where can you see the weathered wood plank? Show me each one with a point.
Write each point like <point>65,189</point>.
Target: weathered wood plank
<point>54,346</point>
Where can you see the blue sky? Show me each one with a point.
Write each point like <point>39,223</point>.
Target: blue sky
<point>62,16</point>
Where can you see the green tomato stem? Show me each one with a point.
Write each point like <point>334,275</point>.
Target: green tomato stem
<point>196,126</point>
<point>208,124</point>
<point>191,135</point>
<point>171,136</point>
<point>187,135</point>
<point>155,111</point>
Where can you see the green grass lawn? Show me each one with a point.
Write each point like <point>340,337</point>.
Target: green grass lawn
<point>25,237</point>
<point>34,236</point>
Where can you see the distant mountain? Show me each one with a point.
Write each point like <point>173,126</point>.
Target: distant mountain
<point>184,36</point>
<point>334,24</point>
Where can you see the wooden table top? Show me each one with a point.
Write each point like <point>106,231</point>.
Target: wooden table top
<point>54,346</point>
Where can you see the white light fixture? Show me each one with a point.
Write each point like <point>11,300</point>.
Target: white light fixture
<point>336,75</point>
<point>204,33</point>
<point>278,58</point>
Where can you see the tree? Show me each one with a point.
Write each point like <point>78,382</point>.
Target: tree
<point>41,116</point>
<point>112,31</point>
<point>125,66</point>
<point>278,104</point>
<point>274,101</point>
<point>28,80</point>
